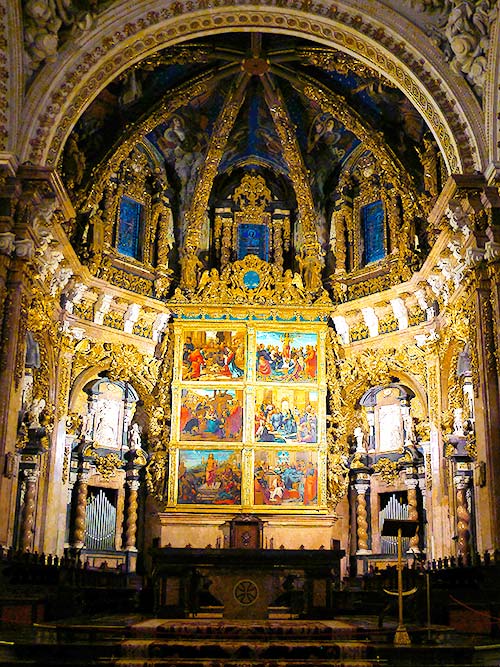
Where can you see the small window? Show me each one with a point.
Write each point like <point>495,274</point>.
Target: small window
<point>129,241</point>
<point>372,232</point>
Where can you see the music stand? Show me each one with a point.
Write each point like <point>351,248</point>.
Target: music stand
<point>400,528</point>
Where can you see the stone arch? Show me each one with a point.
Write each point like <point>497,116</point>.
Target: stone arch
<point>62,90</point>
<point>491,100</point>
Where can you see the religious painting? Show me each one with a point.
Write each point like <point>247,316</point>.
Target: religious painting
<point>253,239</point>
<point>286,415</point>
<point>130,228</point>
<point>209,355</point>
<point>210,477</point>
<point>285,477</point>
<point>286,357</point>
<point>373,231</point>
<point>211,414</point>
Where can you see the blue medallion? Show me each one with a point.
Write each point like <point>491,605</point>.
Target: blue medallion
<point>251,279</point>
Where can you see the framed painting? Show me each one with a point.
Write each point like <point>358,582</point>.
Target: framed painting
<point>286,357</point>
<point>286,415</point>
<point>212,355</point>
<point>211,414</point>
<point>283,477</point>
<point>209,477</point>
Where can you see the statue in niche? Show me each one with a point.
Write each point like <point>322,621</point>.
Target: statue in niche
<point>359,437</point>
<point>458,422</point>
<point>35,411</point>
<point>190,268</point>
<point>32,351</point>
<point>134,437</point>
<point>408,426</point>
<point>429,157</point>
<point>74,161</point>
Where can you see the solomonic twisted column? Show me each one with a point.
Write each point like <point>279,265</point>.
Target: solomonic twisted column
<point>80,510</point>
<point>131,519</point>
<point>361,517</point>
<point>28,515</point>
<point>463,516</point>
<point>411,485</point>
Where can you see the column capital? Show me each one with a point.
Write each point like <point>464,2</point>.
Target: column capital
<point>411,482</point>
<point>361,487</point>
<point>31,475</point>
<point>461,482</point>
<point>133,484</point>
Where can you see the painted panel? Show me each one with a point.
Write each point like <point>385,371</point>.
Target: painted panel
<point>209,355</point>
<point>286,357</point>
<point>286,415</point>
<point>210,477</point>
<point>211,414</point>
<point>129,229</point>
<point>253,239</point>
<point>285,478</point>
<point>372,226</point>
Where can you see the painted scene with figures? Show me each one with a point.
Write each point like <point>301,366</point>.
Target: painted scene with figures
<point>210,355</point>
<point>211,414</point>
<point>285,478</point>
<point>283,414</point>
<point>286,356</point>
<point>211,477</point>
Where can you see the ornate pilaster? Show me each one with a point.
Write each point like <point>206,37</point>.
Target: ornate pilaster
<point>23,205</point>
<point>484,304</point>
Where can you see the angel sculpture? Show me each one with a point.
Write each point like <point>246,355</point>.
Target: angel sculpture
<point>292,287</point>
<point>210,284</point>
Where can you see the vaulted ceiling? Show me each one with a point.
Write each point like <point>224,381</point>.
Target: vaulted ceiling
<point>174,104</point>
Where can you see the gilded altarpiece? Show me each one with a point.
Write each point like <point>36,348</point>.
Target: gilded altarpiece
<point>248,417</point>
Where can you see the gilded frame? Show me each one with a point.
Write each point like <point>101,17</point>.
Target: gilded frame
<point>249,389</point>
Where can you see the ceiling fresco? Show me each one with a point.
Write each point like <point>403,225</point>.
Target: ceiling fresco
<point>255,72</point>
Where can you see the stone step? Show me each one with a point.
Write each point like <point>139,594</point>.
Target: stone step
<point>254,649</point>
<point>244,662</point>
<point>225,629</point>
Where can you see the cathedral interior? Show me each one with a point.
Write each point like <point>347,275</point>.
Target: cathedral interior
<point>249,283</point>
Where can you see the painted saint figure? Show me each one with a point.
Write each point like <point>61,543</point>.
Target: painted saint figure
<point>210,470</point>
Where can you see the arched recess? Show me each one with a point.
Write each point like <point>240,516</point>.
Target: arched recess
<point>123,36</point>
